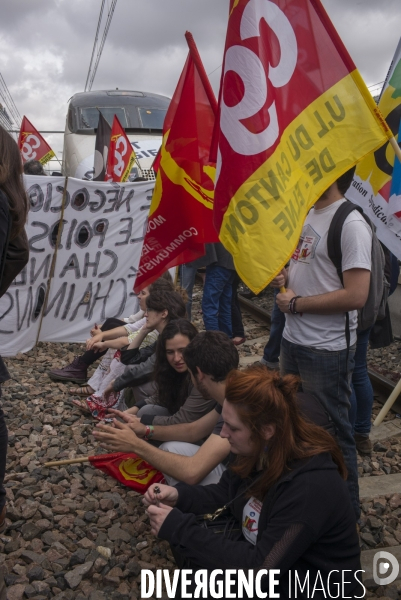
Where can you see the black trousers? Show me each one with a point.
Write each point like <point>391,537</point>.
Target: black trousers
<point>90,356</point>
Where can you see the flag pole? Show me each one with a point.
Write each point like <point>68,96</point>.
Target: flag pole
<point>53,263</point>
<point>193,50</point>
<point>396,148</point>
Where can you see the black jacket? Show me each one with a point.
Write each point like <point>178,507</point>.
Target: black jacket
<point>4,229</point>
<point>306,525</point>
<point>140,370</point>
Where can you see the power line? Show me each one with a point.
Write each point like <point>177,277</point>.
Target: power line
<point>211,72</point>
<point>374,85</point>
<point>9,102</point>
<point>95,43</point>
<point>103,40</point>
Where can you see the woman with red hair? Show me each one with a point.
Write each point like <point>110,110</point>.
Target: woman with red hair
<point>285,489</point>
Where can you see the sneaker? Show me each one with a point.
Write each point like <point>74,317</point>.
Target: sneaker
<point>77,372</point>
<point>273,366</point>
<point>248,294</point>
<point>363,443</point>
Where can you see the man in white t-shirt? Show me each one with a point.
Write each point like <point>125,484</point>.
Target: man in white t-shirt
<point>314,345</point>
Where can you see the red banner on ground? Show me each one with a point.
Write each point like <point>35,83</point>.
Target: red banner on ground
<point>128,469</point>
<point>180,216</point>
<point>32,145</point>
<point>294,115</point>
<point>121,155</point>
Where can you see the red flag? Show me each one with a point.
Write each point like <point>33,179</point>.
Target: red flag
<point>121,156</point>
<point>156,163</point>
<point>180,216</point>
<point>32,145</point>
<point>128,469</point>
<point>294,115</point>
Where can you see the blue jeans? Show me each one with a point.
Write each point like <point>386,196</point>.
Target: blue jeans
<point>324,374</point>
<point>271,352</point>
<point>216,301</point>
<point>187,280</point>
<point>236,315</point>
<point>362,391</point>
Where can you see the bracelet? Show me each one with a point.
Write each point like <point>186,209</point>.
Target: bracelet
<point>149,431</point>
<point>292,305</point>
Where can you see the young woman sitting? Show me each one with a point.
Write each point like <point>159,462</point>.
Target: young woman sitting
<point>104,342</point>
<point>175,400</point>
<point>77,371</point>
<point>162,306</point>
<point>285,491</point>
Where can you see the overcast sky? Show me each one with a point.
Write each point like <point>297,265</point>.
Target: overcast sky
<point>46,45</point>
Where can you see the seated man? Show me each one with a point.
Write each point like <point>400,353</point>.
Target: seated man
<point>209,357</point>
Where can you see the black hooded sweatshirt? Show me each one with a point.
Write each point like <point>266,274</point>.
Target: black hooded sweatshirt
<point>306,525</point>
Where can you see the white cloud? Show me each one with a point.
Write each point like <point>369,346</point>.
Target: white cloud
<point>45,46</point>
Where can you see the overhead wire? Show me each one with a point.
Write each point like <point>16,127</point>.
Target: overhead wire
<point>13,112</point>
<point>211,72</point>
<point>95,43</point>
<point>375,85</point>
<point>101,46</point>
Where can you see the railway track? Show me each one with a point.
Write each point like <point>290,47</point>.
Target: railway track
<point>381,385</point>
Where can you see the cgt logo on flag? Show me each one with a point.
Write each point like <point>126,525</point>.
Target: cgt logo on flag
<point>120,150</point>
<point>294,116</point>
<point>385,564</point>
<point>249,67</point>
<point>30,143</point>
<point>121,155</point>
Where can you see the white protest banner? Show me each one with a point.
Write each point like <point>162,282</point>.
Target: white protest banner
<point>371,187</point>
<point>103,226</point>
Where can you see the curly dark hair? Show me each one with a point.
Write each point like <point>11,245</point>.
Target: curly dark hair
<point>173,387</point>
<point>160,300</point>
<point>214,353</point>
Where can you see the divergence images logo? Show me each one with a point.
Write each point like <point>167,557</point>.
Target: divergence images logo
<point>385,568</point>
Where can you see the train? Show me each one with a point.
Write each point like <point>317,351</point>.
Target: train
<point>140,113</point>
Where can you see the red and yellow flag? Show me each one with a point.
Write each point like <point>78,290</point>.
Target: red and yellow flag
<point>128,469</point>
<point>294,115</point>
<point>32,145</point>
<point>181,213</point>
<point>121,155</point>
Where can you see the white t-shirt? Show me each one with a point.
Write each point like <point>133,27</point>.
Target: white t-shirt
<point>312,273</point>
<point>250,520</point>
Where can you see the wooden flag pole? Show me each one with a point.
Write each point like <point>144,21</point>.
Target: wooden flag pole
<point>388,404</point>
<point>69,461</point>
<point>396,148</point>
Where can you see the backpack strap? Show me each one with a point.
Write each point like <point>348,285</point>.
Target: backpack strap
<point>334,235</point>
<point>335,253</point>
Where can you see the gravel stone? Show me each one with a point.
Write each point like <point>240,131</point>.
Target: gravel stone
<point>74,577</point>
<point>74,526</point>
